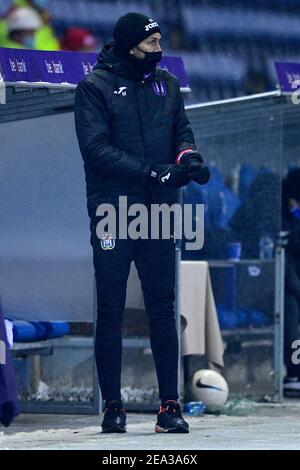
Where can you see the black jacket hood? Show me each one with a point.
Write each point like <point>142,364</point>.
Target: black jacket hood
<point>107,58</point>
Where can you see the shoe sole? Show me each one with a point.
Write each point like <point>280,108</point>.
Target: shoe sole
<point>177,430</point>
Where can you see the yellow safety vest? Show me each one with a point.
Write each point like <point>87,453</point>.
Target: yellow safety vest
<point>44,40</point>
<point>3,31</point>
<point>11,44</point>
<point>21,3</point>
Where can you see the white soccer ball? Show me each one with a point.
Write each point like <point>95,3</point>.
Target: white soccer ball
<point>209,387</point>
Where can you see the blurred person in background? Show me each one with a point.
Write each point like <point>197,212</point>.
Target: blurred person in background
<point>291,228</point>
<point>78,39</point>
<point>177,39</point>
<point>44,37</point>
<point>22,24</point>
<point>257,215</point>
<point>256,82</point>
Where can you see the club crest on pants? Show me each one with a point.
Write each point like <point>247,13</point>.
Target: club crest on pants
<point>107,242</point>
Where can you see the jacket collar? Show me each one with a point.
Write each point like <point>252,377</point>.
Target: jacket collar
<point>109,60</point>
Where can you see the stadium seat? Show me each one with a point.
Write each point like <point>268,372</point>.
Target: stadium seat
<point>30,331</point>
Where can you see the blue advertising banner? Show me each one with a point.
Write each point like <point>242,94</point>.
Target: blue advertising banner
<point>62,67</point>
<point>288,74</point>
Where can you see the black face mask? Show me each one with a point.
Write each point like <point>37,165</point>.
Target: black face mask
<point>148,64</point>
<point>152,58</point>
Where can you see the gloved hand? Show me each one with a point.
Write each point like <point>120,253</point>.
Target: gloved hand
<point>196,168</point>
<point>170,175</point>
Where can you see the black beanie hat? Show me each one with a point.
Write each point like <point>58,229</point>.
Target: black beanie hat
<point>131,29</point>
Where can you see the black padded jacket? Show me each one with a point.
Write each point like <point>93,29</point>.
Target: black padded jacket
<point>125,123</point>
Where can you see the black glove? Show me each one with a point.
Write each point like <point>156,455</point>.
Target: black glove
<point>196,168</point>
<point>170,175</point>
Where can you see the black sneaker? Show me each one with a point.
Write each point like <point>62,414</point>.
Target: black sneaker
<point>114,419</point>
<point>291,387</point>
<point>169,419</point>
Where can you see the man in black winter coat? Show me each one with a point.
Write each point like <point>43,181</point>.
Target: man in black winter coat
<point>136,141</point>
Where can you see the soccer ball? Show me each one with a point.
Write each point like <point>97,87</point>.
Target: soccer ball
<point>209,387</point>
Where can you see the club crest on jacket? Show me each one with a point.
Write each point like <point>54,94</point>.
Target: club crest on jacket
<point>160,88</point>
